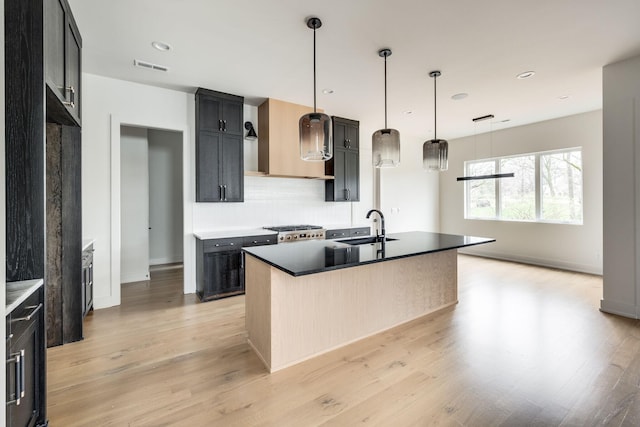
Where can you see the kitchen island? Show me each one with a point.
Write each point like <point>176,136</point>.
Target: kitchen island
<point>304,299</point>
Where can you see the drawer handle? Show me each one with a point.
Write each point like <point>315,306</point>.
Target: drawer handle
<point>36,308</point>
<point>255,242</point>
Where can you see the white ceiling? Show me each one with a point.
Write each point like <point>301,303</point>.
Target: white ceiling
<point>262,49</point>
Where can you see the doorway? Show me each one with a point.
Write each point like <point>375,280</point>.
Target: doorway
<point>151,205</point>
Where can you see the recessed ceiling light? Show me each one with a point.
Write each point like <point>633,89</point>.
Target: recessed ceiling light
<point>459,96</point>
<point>327,91</point>
<point>563,97</point>
<point>161,46</point>
<point>408,112</point>
<point>526,74</point>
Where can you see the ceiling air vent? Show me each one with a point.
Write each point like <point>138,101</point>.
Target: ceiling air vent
<point>149,65</point>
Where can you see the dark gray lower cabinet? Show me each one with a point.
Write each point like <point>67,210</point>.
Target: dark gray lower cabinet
<point>25,375</point>
<point>220,265</point>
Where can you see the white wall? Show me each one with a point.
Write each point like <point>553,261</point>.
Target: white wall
<point>134,204</point>
<point>572,247</point>
<point>107,104</point>
<point>165,197</point>
<point>621,107</point>
<point>110,103</point>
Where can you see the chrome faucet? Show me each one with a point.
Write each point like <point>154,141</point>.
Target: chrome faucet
<point>380,237</point>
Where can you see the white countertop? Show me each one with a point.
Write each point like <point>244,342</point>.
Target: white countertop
<point>17,292</point>
<point>343,226</point>
<point>222,234</point>
<point>86,243</point>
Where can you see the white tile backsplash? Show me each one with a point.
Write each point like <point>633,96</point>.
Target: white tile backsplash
<point>273,201</point>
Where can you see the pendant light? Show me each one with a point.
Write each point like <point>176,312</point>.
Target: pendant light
<point>315,128</point>
<point>490,176</point>
<point>435,152</point>
<point>386,142</point>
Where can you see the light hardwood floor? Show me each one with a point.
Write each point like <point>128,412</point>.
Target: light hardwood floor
<point>524,346</point>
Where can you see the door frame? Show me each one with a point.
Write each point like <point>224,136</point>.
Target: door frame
<point>188,252</point>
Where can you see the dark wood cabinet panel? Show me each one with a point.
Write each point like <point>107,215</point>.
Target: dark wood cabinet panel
<point>56,25</point>
<point>232,168</point>
<point>24,140</point>
<point>208,186</point>
<point>219,147</point>
<point>64,234</point>
<point>209,113</point>
<point>345,164</point>
<point>232,117</point>
<point>352,175</point>
<point>63,60</point>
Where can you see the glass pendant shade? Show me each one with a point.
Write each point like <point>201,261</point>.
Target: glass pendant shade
<point>386,148</point>
<point>385,143</point>
<point>435,155</point>
<point>315,137</point>
<point>435,152</point>
<point>316,143</point>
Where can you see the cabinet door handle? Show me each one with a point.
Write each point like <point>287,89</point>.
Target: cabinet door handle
<point>36,308</point>
<point>18,360</point>
<point>23,385</point>
<point>224,187</point>
<point>72,97</point>
<point>224,125</point>
<point>220,190</point>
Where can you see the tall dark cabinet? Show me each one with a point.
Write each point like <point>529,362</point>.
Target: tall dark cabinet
<point>43,221</point>
<point>219,147</point>
<point>25,208</point>
<point>345,163</point>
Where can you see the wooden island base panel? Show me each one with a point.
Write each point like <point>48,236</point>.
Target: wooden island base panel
<point>290,319</point>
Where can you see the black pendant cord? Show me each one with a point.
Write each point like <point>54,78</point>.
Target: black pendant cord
<point>385,92</point>
<point>435,111</point>
<point>314,70</point>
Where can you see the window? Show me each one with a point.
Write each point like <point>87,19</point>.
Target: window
<point>547,187</point>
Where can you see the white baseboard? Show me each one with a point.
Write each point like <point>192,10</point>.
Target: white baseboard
<point>561,265</point>
<point>166,260</point>
<point>139,277</point>
<point>620,308</point>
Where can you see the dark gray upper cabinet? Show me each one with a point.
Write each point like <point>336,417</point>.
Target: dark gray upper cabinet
<point>219,147</point>
<point>219,112</point>
<point>345,164</point>
<point>63,46</point>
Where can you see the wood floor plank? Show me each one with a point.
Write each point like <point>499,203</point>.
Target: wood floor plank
<point>524,346</point>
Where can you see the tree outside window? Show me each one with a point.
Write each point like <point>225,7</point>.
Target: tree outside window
<point>546,187</point>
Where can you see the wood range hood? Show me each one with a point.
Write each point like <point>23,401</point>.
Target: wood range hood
<point>278,146</point>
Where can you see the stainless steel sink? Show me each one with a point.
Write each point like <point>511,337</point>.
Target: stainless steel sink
<point>364,240</point>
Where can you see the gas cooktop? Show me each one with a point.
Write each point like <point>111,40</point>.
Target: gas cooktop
<point>294,233</point>
<point>293,227</point>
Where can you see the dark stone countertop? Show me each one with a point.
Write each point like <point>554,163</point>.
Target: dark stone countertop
<point>316,256</point>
